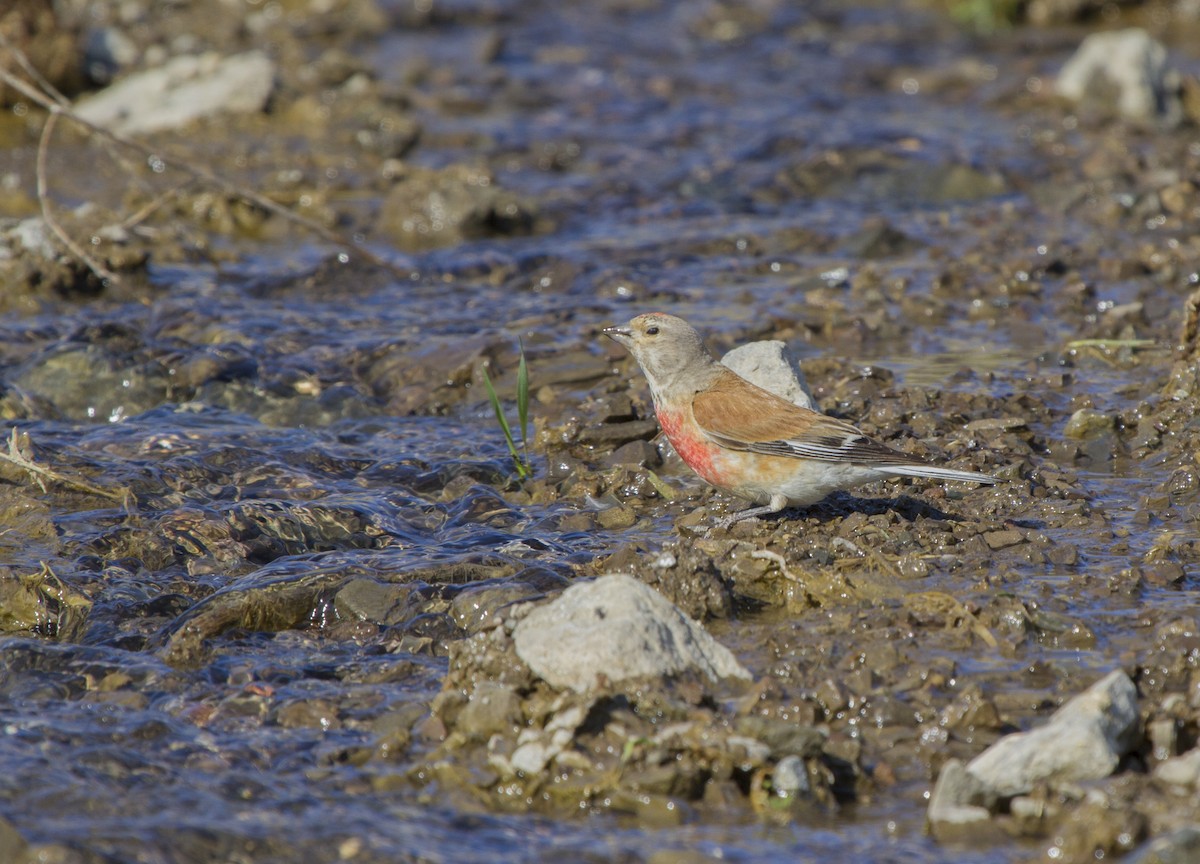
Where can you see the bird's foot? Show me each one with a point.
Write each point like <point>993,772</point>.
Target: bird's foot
<point>777,503</point>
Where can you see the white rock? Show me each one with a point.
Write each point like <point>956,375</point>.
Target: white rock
<point>568,719</point>
<point>755,751</point>
<point>1083,740</point>
<point>536,748</point>
<point>955,796</point>
<point>1134,66</point>
<point>182,90</point>
<point>34,235</point>
<point>790,777</point>
<point>1027,807</point>
<point>771,366</point>
<point>1181,771</point>
<point>532,757</point>
<point>616,628</point>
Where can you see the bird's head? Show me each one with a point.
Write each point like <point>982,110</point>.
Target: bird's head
<point>666,347</point>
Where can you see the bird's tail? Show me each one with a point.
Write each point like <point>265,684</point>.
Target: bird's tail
<point>917,469</point>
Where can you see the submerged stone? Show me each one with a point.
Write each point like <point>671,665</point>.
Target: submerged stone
<point>1087,423</point>
<point>41,603</point>
<point>427,208</point>
<point>380,603</point>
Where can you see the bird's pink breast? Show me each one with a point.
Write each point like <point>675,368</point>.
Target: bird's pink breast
<point>696,450</point>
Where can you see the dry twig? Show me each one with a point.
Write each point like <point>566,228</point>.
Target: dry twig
<point>19,454</point>
<point>56,104</point>
<point>102,272</point>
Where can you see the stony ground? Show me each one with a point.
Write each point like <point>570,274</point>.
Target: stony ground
<point>300,565</point>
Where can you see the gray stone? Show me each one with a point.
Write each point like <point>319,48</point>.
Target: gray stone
<point>783,737</point>
<point>106,51</point>
<point>431,207</point>
<point>493,709</point>
<point>617,434</point>
<point>475,607</point>
<point>640,453</point>
<point>88,382</point>
<point>1126,72</point>
<point>771,366</point>
<point>378,602</point>
<point>1083,740</point>
<point>616,628</point>
<point>185,89</point>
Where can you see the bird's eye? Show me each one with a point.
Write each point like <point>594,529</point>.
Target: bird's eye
<point>651,331</point>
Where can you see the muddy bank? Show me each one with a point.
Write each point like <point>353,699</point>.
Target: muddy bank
<point>271,585</point>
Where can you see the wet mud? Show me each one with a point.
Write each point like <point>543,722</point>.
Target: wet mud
<point>267,561</point>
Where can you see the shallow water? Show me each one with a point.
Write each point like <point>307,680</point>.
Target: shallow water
<point>288,424</point>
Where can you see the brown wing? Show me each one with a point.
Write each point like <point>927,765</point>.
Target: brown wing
<point>736,414</point>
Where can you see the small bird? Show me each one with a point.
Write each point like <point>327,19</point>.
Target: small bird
<point>748,441</point>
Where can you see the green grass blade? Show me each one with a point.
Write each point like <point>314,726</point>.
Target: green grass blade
<point>523,400</point>
<point>500,418</point>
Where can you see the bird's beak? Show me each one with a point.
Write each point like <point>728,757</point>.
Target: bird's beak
<point>621,334</point>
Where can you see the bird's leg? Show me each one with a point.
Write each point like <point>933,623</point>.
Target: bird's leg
<point>777,503</point>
